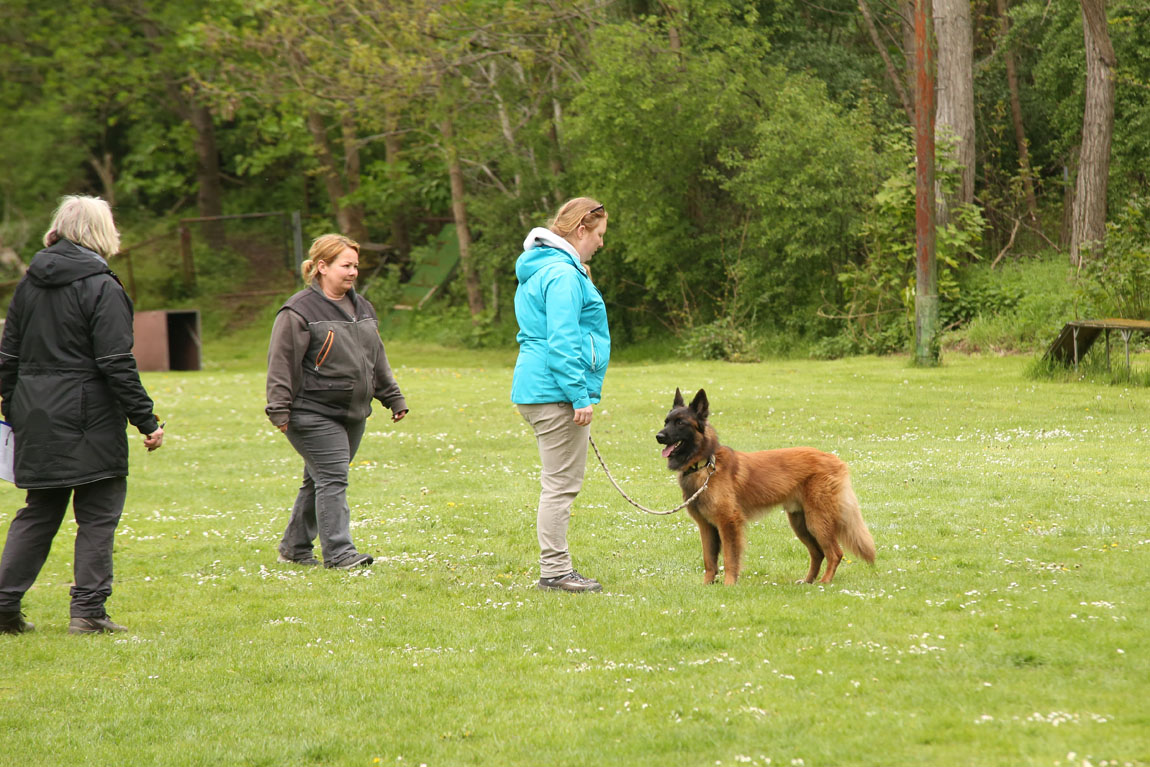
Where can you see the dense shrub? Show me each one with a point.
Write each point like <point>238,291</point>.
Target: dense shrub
<point>721,339</point>
<point>1116,278</point>
<point>879,292</point>
<point>1018,307</point>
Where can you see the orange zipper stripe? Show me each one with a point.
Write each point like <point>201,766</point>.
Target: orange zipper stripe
<point>325,349</point>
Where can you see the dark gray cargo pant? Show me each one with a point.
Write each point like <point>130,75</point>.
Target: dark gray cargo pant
<point>327,447</point>
<point>97,506</point>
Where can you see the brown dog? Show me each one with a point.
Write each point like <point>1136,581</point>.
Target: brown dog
<point>812,486</point>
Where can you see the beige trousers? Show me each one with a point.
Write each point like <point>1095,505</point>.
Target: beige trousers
<point>563,455</point>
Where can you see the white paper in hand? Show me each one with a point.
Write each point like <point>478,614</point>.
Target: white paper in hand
<point>7,453</point>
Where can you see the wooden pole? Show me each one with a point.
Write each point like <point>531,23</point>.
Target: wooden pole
<point>926,341</point>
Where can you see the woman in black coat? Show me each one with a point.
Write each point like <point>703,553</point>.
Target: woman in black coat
<point>69,385</point>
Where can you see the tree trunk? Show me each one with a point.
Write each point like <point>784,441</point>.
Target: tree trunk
<point>332,182</point>
<point>891,72</point>
<point>392,146</point>
<point>955,111</point>
<point>209,187</point>
<point>513,145</point>
<point>1089,228</point>
<point>553,133</point>
<point>353,212</point>
<point>106,171</point>
<point>209,184</point>
<point>906,17</point>
<point>673,40</point>
<point>926,268</point>
<point>1016,115</point>
<point>462,230</point>
<point>1069,177</point>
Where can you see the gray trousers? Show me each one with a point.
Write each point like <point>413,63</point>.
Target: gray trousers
<point>97,506</point>
<point>563,456</point>
<point>321,508</point>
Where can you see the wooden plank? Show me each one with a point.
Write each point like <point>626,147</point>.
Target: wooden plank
<point>1077,336</point>
<point>1113,324</point>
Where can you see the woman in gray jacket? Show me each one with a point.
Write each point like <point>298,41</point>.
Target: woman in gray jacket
<point>326,362</point>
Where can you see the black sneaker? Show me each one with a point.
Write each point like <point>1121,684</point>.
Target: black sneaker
<point>14,623</point>
<point>308,561</point>
<point>572,581</point>
<point>94,625</point>
<point>355,560</point>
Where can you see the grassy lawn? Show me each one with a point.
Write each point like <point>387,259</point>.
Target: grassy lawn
<point>1005,621</point>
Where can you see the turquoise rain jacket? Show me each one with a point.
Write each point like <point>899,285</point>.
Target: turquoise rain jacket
<point>564,341</point>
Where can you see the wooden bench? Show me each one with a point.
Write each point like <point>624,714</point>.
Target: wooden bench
<point>1078,336</point>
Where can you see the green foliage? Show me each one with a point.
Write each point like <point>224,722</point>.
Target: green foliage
<point>1116,277</point>
<point>450,325</point>
<point>737,188</point>
<point>741,147</point>
<point>1018,307</point>
<point>648,126</point>
<point>878,309</point>
<point>720,339</point>
<point>383,287</point>
<point>1051,38</point>
<point>803,182</point>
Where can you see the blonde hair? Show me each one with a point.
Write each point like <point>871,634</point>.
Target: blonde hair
<point>573,213</point>
<point>325,249</point>
<point>86,221</point>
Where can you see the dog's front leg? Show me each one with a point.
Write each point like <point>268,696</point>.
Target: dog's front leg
<point>709,536</point>
<point>731,535</point>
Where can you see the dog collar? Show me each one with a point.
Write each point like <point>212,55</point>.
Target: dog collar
<point>695,467</point>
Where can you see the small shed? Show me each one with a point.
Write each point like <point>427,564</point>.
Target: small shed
<point>167,340</point>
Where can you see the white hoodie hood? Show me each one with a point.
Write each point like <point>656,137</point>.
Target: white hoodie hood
<point>548,239</point>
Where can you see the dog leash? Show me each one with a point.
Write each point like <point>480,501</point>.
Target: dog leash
<point>639,506</point>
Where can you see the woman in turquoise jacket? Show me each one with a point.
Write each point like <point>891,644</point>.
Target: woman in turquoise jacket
<point>564,348</point>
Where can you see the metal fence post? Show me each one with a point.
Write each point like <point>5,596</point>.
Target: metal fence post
<point>186,256</point>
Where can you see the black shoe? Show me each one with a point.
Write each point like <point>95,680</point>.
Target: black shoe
<point>308,561</point>
<point>14,623</point>
<point>94,625</point>
<point>572,581</point>
<point>355,560</point>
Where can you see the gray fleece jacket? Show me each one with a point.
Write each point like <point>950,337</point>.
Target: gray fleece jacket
<point>326,357</point>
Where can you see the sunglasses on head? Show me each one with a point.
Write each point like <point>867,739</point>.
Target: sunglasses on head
<point>594,210</point>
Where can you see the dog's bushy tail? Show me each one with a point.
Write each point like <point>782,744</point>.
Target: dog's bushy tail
<point>853,534</point>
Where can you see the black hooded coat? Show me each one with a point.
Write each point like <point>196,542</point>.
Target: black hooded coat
<point>68,378</point>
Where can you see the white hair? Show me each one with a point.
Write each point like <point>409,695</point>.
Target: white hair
<point>86,221</point>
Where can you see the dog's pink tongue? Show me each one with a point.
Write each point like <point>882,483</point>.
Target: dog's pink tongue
<point>667,450</point>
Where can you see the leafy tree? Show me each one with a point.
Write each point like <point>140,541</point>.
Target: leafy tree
<point>746,182</point>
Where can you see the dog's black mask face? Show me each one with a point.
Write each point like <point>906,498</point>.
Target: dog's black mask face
<point>683,429</point>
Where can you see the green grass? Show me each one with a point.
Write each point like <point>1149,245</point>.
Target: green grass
<point>1004,623</point>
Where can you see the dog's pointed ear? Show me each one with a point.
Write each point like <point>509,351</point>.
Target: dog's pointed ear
<point>700,405</point>
<point>678,398</point>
